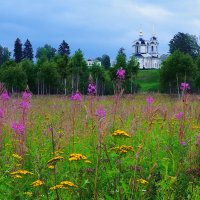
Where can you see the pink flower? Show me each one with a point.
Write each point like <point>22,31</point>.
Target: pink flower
<point>26,96</point>
<point>149,100</point>
<point>5,96</point>
<point>76,96</point>
<point>184,86</point>
<point>120,73</point>
<point>179,115</point>
<point>198,140</point>
<point>25,105</point>
<point>18,127</point>
<point>92,90</point>
<point>100,113</point>
<point>1,113</point>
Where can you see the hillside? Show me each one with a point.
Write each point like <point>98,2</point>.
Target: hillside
<point>148,80</point>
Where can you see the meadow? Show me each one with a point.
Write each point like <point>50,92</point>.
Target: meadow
<point>116,147</point>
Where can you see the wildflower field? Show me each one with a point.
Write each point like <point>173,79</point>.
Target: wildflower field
<point>89,147</point>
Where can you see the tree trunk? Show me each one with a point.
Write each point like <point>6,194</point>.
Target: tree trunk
<point>177,85</point>
<point>65,83</point>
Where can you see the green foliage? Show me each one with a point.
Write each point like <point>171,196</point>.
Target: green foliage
<point>47,51</point>
<point>177,68</point>
<point>185,43</point>
<point>197,80</point>
<point>79,72</point>
<point>31,72</point>
<point>14,78</point>
<point>4,55</point>
<point>148,80</point>
<point>105,61</point>
<point>49,75</point>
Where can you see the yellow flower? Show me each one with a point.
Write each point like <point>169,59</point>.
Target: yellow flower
<point>16,176</point>
<point>87,161</point>
<point>60,132</point>
<point>195,127</point>
<point>120,133</point>
<point>142,181</point>
<point>21,171</point>
<point>51,166</point>
<point>28,194</point>
<point>54,160</point>
<point>37,183</point>
<point>122,149</point>
<point>58,152</point>
<point>77,156</point>
<point>17,156</point>
<point>68,183</point>
<point>57,187</point>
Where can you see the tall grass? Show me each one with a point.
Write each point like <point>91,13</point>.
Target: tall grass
<point>65,142</point>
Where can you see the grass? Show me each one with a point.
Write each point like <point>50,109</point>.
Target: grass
<point>148,161</point>
<point>149,80</point>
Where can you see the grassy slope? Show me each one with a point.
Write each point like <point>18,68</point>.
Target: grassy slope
<point>148,80</point>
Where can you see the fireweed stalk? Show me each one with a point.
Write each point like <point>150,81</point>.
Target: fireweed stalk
<point>53,150</point>
<point>1,126</point>
<point>76,99</point>
<point>181,116</point>
<point>91,91</point>
<point>100,114</point>
<point>120,76</point>
<point>150,111</point>
<point>4,99</point>
<point>20,125</point>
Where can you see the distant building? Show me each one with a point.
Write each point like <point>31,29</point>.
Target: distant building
<point>90,62</point>
<point>146,51</point>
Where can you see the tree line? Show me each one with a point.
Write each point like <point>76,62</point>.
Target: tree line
<point>56,71</point>
<point>182,65</point>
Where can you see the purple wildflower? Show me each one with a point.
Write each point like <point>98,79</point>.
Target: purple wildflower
<point>184,86</point>
<point>76,96</point>
<point>26,96</point>
<point>92,90</point>
<point>100,113</point>
<point>149,100</point>
<point>120,73</point>
<point>19,128</point>
<point>198,140</point>
<point>179,115</point>
<point>5,96</point>
<point>183,143</point>
<point>25,105</point>
<point>1,113</point>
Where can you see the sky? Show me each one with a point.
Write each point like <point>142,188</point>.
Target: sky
<point>97,27</point>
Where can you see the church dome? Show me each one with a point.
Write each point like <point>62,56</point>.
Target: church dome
<point>142,41</point>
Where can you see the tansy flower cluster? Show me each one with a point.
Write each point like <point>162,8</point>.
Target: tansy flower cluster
<point>37,183</point>
<point>54,160</point>
<point>19,173</point>
<point>142,181</point>
<point>63,184</point>
<point>122,149</point>
<point>120,133</point>
<point>29,194</point>
<point>77,156</point>
<point>195,127</point>
<point>18,157</point>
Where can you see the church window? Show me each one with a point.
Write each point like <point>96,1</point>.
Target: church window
<point>151,48</point>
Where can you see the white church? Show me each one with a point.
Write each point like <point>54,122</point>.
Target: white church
<point>146,51</point>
